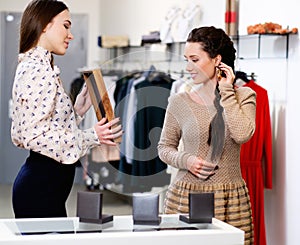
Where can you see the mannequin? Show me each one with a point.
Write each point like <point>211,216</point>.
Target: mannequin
<point>185,22</point>
<point>165,30</point>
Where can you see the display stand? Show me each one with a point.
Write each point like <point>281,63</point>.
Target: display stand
<point>201,208</point>
<point>145,209</point>
<point>89,208</point>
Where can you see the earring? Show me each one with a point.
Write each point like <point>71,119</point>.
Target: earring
<point>219,73</point>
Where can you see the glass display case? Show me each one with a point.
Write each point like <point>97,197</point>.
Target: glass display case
<point>119,231</point>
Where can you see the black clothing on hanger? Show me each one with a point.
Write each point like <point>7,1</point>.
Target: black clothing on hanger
<point>241,75</point>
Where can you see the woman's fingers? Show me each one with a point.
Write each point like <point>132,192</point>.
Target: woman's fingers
<point>102,121</point>
<point>204,174</point>
<point>117,132</point>
<point>206,169</point>
<point>106,125</point>
<point>108,131</point>
<point>228,72</point>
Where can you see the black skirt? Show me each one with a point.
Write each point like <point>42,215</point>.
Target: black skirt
<point>42,187</point>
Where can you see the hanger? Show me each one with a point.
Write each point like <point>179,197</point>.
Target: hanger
<point>252,76</point>
<point>241,75</point>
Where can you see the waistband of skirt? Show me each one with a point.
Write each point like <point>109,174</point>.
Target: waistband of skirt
<point>41,160</point>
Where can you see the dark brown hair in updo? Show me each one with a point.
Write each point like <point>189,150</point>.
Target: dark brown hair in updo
<point>215,42</point>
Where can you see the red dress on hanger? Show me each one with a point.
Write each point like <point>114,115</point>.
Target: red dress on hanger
<point>256,161</point>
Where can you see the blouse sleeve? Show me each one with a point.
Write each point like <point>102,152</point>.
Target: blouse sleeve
<point>239,111</point>
<point>43,118</point>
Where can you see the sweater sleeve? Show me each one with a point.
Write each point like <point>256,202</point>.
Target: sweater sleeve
<point>239,111</point>
<point>170,137</point>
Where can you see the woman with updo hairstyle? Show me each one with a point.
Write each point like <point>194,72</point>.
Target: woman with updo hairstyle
<point>211,120</point>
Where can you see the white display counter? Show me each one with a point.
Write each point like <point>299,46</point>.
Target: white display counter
<point>121,230</point>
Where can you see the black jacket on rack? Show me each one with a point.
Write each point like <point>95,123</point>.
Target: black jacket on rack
<point>152,95</point>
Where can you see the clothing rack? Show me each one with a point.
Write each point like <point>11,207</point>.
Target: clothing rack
<point>244,76</point>
<point>252,76</point>
<point>122,174</point>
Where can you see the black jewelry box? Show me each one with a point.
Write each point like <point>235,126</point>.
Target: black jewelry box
<point>145,209</point>
<point>201,208</point>
<point>89,208</point>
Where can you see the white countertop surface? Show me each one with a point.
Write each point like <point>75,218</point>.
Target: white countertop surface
<point>171,230</point>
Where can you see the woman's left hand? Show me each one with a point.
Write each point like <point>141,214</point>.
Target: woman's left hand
<point>227,70</point>
<point>83,101</point>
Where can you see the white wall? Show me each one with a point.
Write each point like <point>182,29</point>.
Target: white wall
<point>137,18</point>
<point>285,13</point>
<point>279,77</point>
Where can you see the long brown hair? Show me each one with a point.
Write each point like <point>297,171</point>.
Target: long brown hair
<point>37,15</point>
<point>215,41</point>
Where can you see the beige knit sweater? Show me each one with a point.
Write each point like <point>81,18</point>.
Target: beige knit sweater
<point>189,121</point>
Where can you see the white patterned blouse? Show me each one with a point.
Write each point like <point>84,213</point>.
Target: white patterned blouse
<point>43,118</point>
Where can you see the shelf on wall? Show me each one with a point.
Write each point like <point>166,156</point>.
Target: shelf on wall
<point>259,38</point>
<point>176,47</point>
<point>169,51</point>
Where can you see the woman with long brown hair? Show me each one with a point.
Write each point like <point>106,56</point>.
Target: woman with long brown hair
<point>212,121</point>
<point>44,120</point>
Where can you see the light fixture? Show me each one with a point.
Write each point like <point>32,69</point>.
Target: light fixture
<point>9,17</point>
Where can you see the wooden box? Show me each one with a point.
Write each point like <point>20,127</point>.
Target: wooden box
<point>99,96</point>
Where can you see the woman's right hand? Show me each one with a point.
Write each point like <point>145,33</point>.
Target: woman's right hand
<point>229,79</point>
<point>200,168</point>
<point>83,101</point>
<point>108,131</point>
